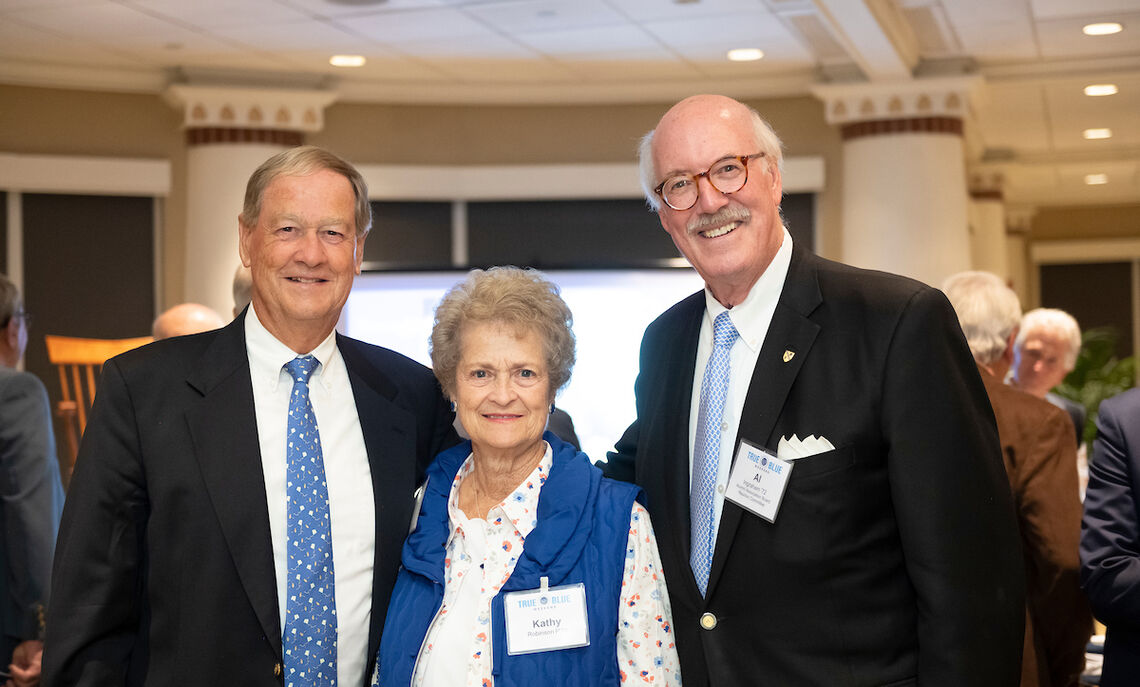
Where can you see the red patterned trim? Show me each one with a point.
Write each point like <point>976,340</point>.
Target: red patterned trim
<point>912,125</point>
<point>215,134</point>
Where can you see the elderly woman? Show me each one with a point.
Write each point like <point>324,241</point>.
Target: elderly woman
<point>525,566</point>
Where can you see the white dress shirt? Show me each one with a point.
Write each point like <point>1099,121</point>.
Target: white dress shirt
<point>347,474</point>
<point>751,319</point>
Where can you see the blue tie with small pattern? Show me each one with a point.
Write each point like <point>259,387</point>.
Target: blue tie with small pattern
<point>310,607</point>
<point>706,450</point>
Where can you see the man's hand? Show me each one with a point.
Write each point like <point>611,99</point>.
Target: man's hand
<point>25,667</point>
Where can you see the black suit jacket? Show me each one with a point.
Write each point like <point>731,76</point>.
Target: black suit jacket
<point>164,569</point>
<point>894,559</point>
<point>1110,536</point>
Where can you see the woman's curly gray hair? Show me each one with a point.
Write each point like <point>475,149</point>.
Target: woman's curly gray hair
<point>523,299</point>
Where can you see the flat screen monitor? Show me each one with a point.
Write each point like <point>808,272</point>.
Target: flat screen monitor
<point>611,309</point>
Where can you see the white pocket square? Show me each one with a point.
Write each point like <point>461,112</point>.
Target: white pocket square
<point>793,448</point>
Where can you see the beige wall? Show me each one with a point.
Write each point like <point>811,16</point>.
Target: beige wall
<point>1087,222</point>
<point>67,122</point>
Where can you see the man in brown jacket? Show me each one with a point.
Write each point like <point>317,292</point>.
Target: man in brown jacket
<point>1039,451</point>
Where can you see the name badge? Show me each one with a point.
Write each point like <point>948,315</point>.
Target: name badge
<point>758,481</point>
<point>546,619</point>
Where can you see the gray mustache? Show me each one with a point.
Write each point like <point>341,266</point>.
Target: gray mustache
<point>722,217</point>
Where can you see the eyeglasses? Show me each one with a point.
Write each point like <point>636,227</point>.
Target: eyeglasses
<point>23,315</point>
<point>727,175</point>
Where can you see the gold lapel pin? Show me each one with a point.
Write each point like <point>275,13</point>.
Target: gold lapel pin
<point>788,355</point>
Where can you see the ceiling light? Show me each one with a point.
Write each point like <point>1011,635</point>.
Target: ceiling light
<point>1096,179</point>
<point>745,54</point>
<point>1101,89</point>
<point>347,60</point>
<point>1093,134</point>
<point>1102,29</point>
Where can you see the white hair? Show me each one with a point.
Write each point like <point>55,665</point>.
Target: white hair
<point>1053,323</point>
<point>988,312</point>
<point>766,140</point>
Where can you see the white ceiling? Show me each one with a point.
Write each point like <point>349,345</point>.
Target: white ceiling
<point>1026,124</point>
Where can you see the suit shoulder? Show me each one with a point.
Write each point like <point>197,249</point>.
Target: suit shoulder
<point>839,281</point>
<point>165,357</point>
<point>679,312</point>
<point>20,383</point>
<point>1122,406</point>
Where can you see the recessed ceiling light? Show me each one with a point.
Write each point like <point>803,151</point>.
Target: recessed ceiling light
<point>745,54</point>
<point>347,60</point>
<point>1102,29</point>
<point>1096,179</point>
<point>1101,89</point>
<point>1093,134</point>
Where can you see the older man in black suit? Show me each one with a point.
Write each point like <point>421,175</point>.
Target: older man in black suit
<point>819,456</point>
<point>241,495</point>
<point>1110,536</point>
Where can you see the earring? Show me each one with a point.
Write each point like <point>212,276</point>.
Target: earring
<point>551,408</point>
<point>454,407</point>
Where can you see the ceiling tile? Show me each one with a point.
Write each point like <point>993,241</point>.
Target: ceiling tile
<point>415,26</point>
<point>302,36</point>
<point>1094,10</point>
<point>545,15</point>
<point>596,42</point>
<point>211,14</point>
<point>1063,38</point>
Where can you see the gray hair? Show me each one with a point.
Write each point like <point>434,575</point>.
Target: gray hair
<point>9,300</point>
<point>301,161</point>
<point>766,140</point>
<point>242,288</point>
<point>1054,323</point>
<point>520,298</point>
<point>988,311</point>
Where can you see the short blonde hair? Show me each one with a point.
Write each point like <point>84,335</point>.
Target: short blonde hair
<point>520,298</point>
<point>302,161</point>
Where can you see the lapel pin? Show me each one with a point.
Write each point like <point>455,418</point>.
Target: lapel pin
<point>788,355</point>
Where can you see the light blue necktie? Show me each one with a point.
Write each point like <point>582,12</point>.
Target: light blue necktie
<point>310,606</point>
<point>706,450</point>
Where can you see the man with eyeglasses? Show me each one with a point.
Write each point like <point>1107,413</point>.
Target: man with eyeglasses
<point>31,496</point>
<point>817,448</point>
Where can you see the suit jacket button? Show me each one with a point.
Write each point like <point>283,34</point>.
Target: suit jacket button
<point>277,670</point>
<point>708,621</point>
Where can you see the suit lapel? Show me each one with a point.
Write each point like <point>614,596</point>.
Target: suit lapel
<point>223,428</point>
<point>786,346</point>
<point>673,461</point>
<point>389,446</point>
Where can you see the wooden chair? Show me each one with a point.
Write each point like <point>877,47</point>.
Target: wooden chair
<point>79,362</point>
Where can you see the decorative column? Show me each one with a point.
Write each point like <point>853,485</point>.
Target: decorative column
<point>229,133</point>
<point>904,175</point>
<point>1019,222</point>
<point>988,248</point>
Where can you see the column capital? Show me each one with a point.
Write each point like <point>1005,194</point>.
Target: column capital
<point>918,99</point>
<point>260,109</point>
<point>986,185</point>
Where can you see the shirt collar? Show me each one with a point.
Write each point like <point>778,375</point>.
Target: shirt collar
<point>520,507</point>
<point>268,356</point>
<point>747,316</point>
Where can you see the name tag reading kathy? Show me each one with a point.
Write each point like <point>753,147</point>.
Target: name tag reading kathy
<point>546,619</point>
<point>758,481</point>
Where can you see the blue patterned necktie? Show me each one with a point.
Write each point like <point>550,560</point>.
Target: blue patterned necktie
<point>310,607</point>
<point>706,450</point>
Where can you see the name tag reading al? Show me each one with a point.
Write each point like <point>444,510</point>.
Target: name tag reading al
<point>758,481</point>
<point>546,619</point>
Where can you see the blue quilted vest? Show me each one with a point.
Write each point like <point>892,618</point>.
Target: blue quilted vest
<point>581,535</point>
